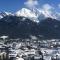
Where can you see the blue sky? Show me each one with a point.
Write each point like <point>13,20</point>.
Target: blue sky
<point>14,5</point>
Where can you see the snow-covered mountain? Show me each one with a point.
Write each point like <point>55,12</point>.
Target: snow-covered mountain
<point>3,14</point>
<point>35,15</point>
<point>27,13</point>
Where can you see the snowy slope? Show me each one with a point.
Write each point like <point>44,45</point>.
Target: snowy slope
<point>35,14</point>
<point>3,14</point>
<point>26,13</point>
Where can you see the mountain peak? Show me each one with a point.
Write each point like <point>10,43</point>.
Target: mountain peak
<point>26,13</point>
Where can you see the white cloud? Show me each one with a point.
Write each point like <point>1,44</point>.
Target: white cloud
<point>47,7</point>
<point>31,3</point>
<point>48,11</point>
